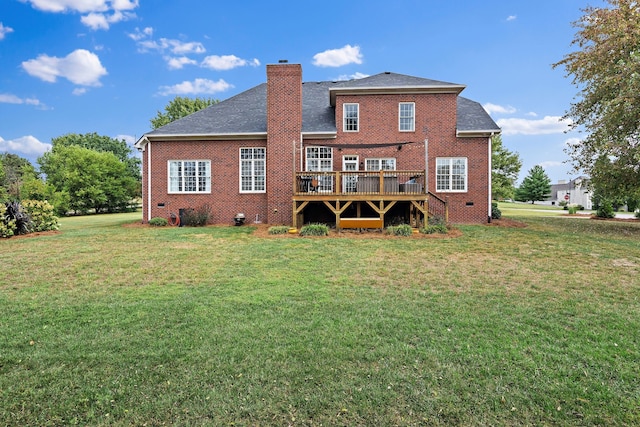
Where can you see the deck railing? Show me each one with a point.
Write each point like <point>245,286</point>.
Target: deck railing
<point>343,183</point>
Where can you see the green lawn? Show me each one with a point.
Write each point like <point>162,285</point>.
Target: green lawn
<point>528,209</point>
<point>107,324</point>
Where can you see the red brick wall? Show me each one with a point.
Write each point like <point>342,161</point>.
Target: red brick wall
<point>436,121</point>
<point>284,124</point>
<point>225,198</point>
<point>471,206</point>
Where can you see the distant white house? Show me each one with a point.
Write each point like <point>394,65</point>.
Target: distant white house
<point>574,192</point>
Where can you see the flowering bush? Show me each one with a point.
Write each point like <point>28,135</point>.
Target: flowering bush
<point>41,214</point>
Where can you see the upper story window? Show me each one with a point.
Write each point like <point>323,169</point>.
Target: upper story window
<point>189,176</point>
<point>253,170</point>
<point>388,164</point>
<point>451,174</point>
<point>407,116</point>
<point>350,113</point>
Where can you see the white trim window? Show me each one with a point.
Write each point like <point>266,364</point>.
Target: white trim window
<point>387,164</point>
<point>189,176</point>
<point>407,117</point>
<point>253,170</point>
<point>451,174</point>
<point>351,117</point>
<point>320,159</point>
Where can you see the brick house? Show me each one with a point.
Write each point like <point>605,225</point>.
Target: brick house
<point>385,149</point>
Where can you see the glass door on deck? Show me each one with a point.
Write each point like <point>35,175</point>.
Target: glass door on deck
<point>320,159</point>
<point>349,180</point>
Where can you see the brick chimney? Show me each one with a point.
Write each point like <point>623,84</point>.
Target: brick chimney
<point>284,127</point>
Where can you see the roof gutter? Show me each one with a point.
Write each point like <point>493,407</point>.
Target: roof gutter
<point>145,139</point>
<point>480,133</point>
<point>405,90</point>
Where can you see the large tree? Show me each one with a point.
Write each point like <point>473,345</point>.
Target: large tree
<point>535,186</point>
<point>606,69</point>
<point>16,171</point>
<point>505,167</point>
<point>180,107</point>
<point>89,180</point>
<point>100,143</point>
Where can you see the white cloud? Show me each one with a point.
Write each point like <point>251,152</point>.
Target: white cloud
<point>102,21</point>
<point>195,87</point>
<point>227,62</point>
<point>176,52</point>
<point>178,63</point>
<point>8,98</point>
<point>4,31</point>
<point>80,67</point>
<point>79,91</point>
<point>141,34</point>
<point>338,57</point>
<point>178,48</point>
<point>354,76</point>
<point>499,109</point>
<point>551,164</point>
<point>25,145</point>
<point>82,6</point>
<point>127,138</point>
<point>511,18</point>
<point>544,126</point>
<point>174,46</point>
<point>100,14</point>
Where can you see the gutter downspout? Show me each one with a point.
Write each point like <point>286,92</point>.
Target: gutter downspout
<point>426,164</point>
<point>490,176</point>
<point>148,181</point>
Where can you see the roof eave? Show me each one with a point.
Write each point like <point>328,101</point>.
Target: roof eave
<point>319,135</point>
<point>405,90</point>
<point>145,139</point>
<point>477,133</point>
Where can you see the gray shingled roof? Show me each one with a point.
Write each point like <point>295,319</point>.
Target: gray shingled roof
<point>246,113</point>
<point>393,80</point>
<point>473,117</point>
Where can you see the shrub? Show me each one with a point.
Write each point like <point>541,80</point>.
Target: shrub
<point>563,203</point>
<point>572,210</point>
<point>434,229</point>
<point>42,215</point>
<point>158,222</point>
<point>605,210</point>
<point>436,220</point>
<point>196,217</point>
<point>21,219</point>
<point>7,225</point>
<point>314,230</point>
<point>638,214</point>
<point>496,213</point>
<point>279,229</point>
<point>400,230</point>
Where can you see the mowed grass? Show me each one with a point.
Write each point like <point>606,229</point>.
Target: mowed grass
<point>529,210</point>
<point>108,324</point>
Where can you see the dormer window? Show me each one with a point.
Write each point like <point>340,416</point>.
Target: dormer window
<point>350,113</point>
<point>407,116</point>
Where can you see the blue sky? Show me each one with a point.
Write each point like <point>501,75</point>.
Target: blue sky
<point>108,66</point>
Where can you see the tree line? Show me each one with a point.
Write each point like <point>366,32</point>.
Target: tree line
<point>85,172</point>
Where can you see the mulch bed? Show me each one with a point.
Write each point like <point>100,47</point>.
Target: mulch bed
<point>507,222</point>
<point>262,230</point>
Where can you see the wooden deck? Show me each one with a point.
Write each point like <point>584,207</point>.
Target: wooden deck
<point>349,194</point>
